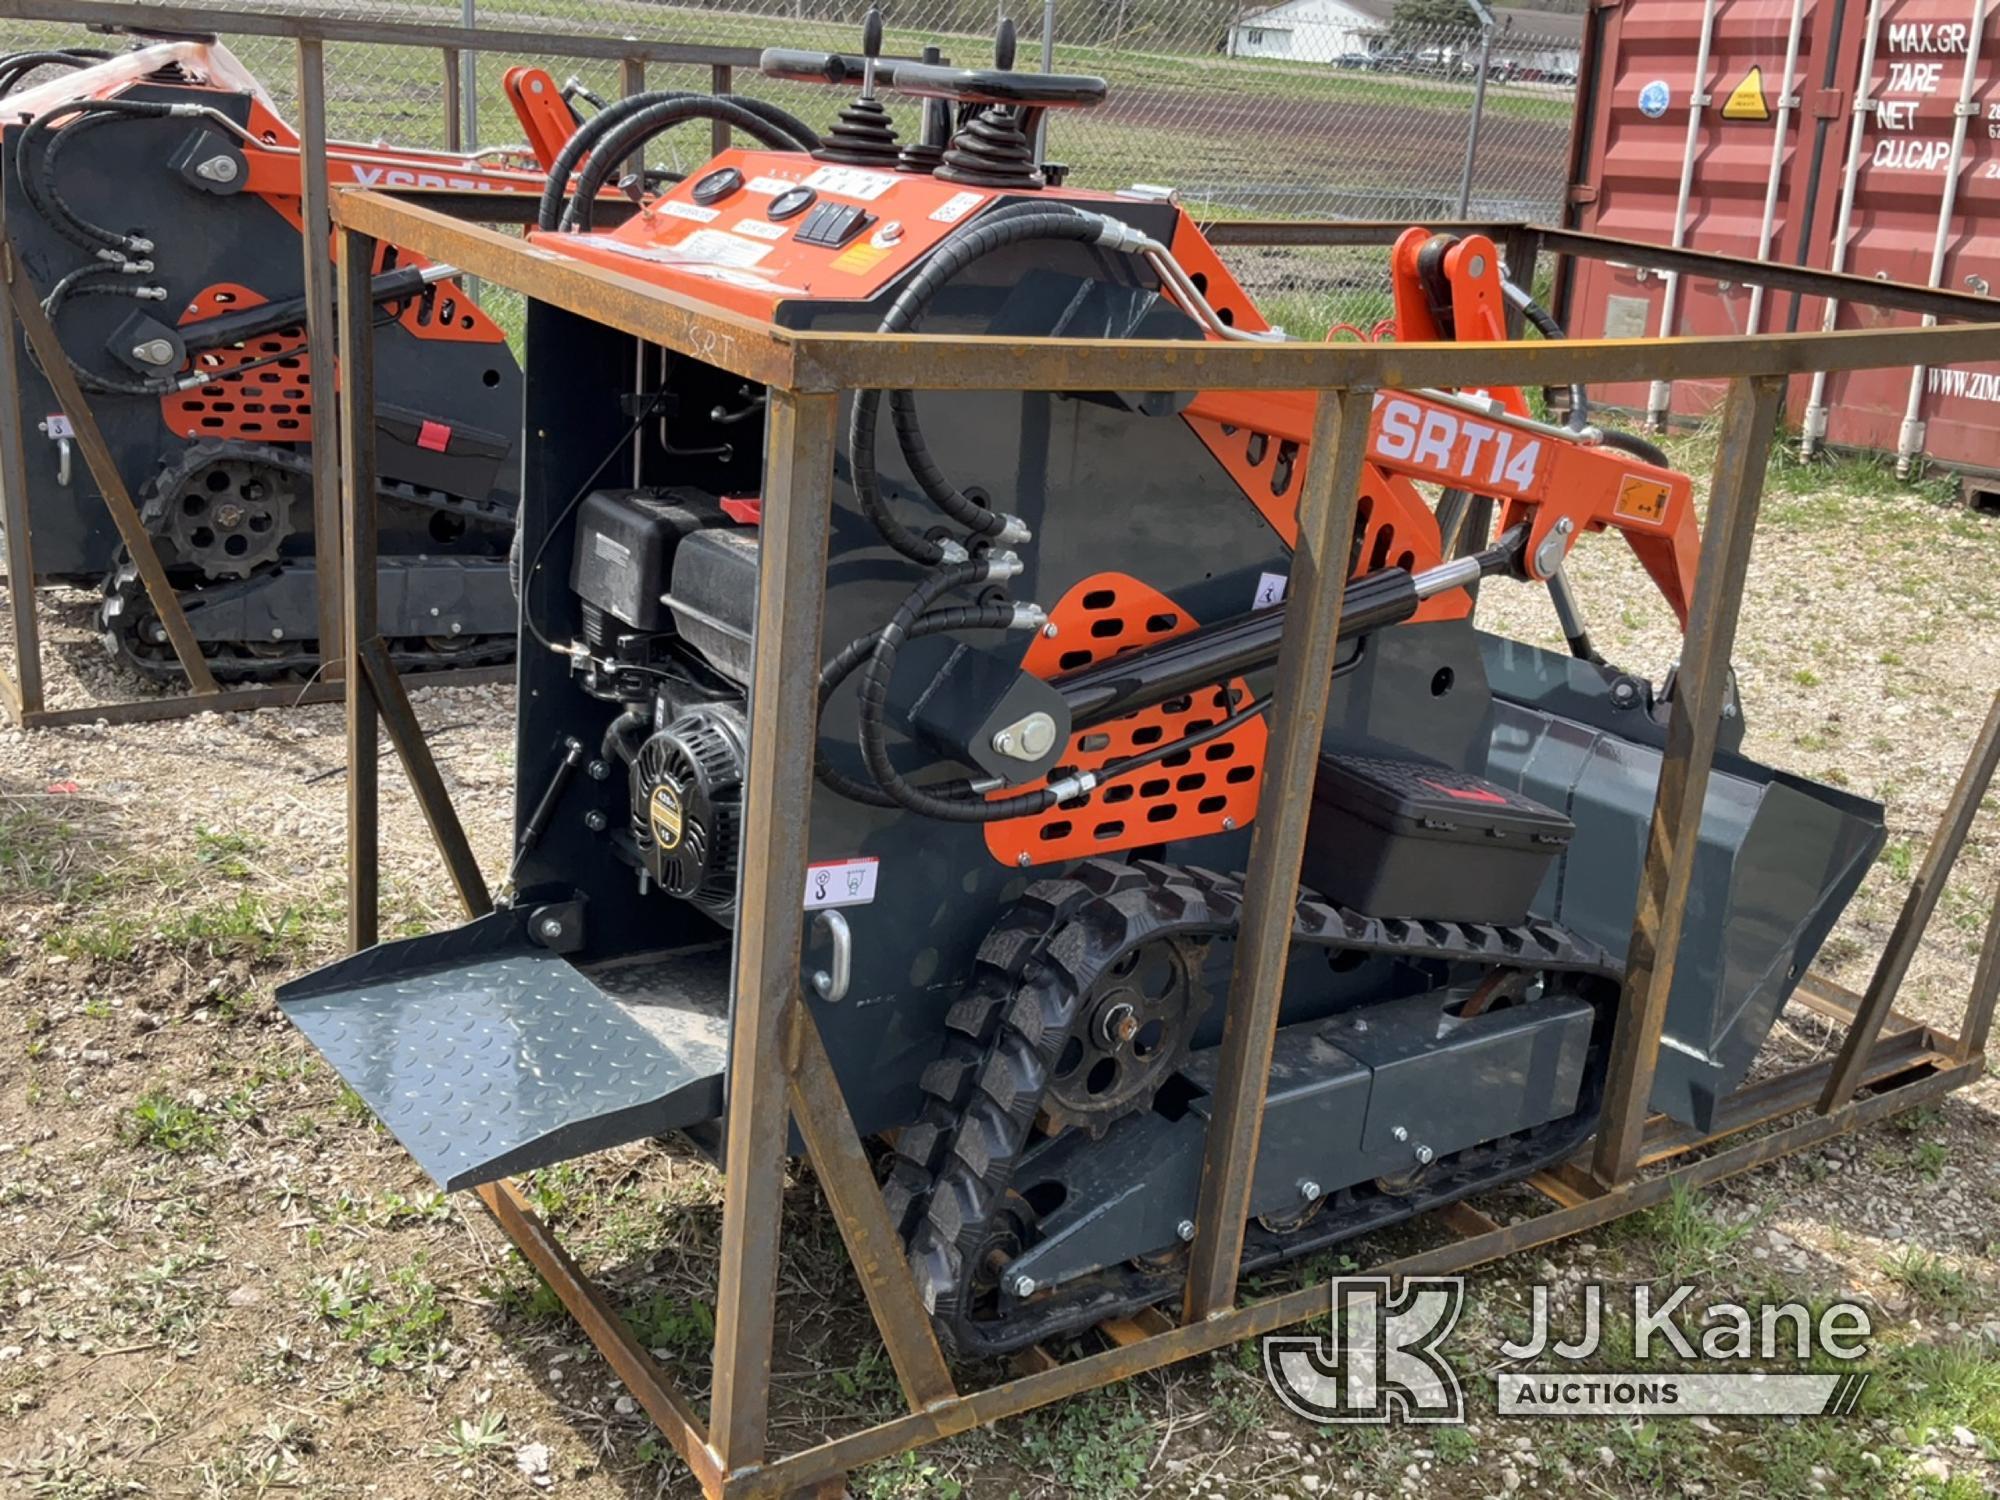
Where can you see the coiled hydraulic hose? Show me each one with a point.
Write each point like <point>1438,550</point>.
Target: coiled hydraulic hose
<point>985,237</point>
<point>968,806</point>
<point>631,134</point>
<point>37,175</point>
<point>844,663</point>
<point>549,211</point>
<point>18,65</point>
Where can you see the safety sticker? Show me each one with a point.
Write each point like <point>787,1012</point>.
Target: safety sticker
<point>758,229</point>
<point>841,882</point>
<point>956,207</point>
<point>705,247</point>
<point>861,258</point>
<point>1641,499</point>
<point>851,182</point>
<point>1746,101</point>
<point>1655,99</point>
<point>675,209</point>
<point>58,426</point>
<point>1270,590</point>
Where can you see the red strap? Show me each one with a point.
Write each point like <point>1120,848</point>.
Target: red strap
<point>435,436</point>
<point>746,509</point>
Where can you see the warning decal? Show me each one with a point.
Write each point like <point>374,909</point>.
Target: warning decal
<point>1746,101</point>
<point>1641,499</point>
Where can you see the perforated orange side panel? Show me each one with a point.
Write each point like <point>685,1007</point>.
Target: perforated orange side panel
<point>1393,528</point>
<point>271,404</point>
<point>1193,793</point>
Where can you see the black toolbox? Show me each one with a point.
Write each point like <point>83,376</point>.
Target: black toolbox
<point>1395,837</point>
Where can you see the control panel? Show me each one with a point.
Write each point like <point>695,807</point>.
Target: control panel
<point>757,228</point>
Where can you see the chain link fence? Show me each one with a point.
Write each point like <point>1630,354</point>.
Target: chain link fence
<point>1271,111</point>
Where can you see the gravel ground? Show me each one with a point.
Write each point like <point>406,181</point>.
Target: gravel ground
<point>217,1276</point>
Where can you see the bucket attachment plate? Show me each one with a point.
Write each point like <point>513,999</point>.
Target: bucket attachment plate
<point>486,1055</point>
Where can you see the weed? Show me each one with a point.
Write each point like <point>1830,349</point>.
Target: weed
<point>1685,1239</point>
<point>1929,1159</point>
<point>663,1321</point>
<point>910,1476</point>
<point>1934,1281</point>
<point>160,1120</point>
<point>1935,1387</point>
<point>1092,1445</point>
<point>113,938</point>
<point>469,1438</point>
<point>397,1325</point>
<point>246,927</point>
<point>225,852</point>
<point>1454,1446</point>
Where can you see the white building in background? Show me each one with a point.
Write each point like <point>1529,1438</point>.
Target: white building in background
<point>1350,32</point>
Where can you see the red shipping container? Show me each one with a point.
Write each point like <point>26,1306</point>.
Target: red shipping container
<point>1857,137</point>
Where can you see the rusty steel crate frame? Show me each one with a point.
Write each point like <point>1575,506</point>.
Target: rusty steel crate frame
<point>22,688</point>
<point>778,1067</point>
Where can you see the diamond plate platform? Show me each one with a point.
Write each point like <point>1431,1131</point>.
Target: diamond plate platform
<point>486,1056</point>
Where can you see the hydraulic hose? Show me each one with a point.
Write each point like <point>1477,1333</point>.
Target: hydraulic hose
<point>18,65</point>
<point>632,133</point>
<point>985,237</point>
<point>37,177</point>
<point>1638,447</point>
<point>969,806</point>
<point>1546,325</point>
<point>850,657</point>
<point>875,677</point>
<point>549,211</point>
<point>783,119</point>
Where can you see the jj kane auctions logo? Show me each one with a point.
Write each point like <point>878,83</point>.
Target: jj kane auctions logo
<point>1384,1360</point>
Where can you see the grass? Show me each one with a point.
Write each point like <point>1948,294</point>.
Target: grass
<point>1093,1446</point>
<point>1684,1238</point>
<point>394,1323</point>
<point>1937,1285</point>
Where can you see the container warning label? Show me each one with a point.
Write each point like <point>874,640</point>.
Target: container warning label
<point>1746,101</point>
<point>841,882</point>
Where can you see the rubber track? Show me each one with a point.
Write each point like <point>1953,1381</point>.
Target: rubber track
<point>158,660</point>
<point>950,1171</point>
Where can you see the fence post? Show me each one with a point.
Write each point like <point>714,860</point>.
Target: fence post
<point>1048,66</point>
<point>468,89</point>
<point>1478,115</point>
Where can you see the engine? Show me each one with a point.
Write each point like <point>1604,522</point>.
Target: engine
<point>678,662</point>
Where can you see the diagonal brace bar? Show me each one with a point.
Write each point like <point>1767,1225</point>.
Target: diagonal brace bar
<point>407,735</point>
<point>1915,916</point>
<point>1271,889</point>
<point>872,1242</point>
<point>104,469</point>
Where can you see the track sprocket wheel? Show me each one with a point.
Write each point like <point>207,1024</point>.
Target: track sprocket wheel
<point>1133,1032</point>
<point>229,516</point>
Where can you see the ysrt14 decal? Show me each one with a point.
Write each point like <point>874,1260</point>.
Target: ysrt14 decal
<point>1456,449</point>
<point>405,177</point>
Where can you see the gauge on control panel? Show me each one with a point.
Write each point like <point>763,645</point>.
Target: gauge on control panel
<point>790,204</point>
<point>717,185</point>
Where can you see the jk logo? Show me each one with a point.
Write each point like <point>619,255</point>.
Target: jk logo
<point>1380,1361</point>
